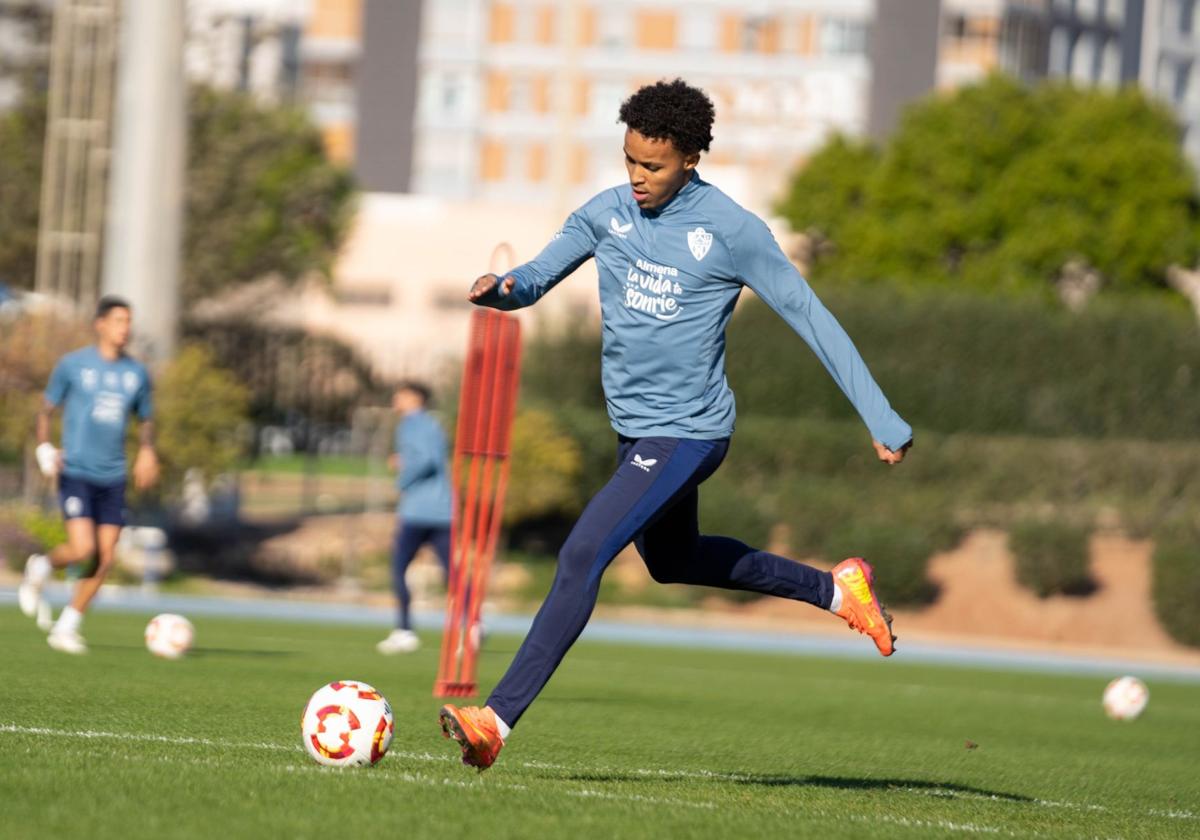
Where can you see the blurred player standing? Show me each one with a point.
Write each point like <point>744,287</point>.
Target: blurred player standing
<point>423,515</point>
<point>673,254</point>
<point>99,387</point>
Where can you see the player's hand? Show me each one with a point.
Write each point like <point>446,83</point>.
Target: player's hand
<point>888,456</point>
<point>145,468</point>
<point>394,462</point>
<point>49,459</point>
<point>488,282</point>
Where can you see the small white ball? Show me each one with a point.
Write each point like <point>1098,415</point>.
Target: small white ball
<point>347,723</point>
<point>169,636</point>
<point>1125,698</point>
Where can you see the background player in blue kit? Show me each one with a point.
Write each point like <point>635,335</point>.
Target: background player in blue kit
<point>99,387</point>
<point>673,253</point>
<point>423,515</point>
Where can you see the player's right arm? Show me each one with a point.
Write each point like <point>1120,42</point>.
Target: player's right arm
<point>50,460</point>
<point>525,284</point>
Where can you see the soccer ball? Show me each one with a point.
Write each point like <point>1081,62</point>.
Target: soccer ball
<point>169,635</point>
<point>346,723</point>
<point>1125,698</point>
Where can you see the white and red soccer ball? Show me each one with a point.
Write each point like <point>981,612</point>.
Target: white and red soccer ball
<point>1125,698</point>
<point>169,636</point>
<point>347,723</point>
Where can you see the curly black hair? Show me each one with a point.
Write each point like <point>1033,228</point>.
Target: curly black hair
<point>673,111</point>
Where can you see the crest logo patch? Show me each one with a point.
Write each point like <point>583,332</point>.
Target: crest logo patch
<point>699,240</point>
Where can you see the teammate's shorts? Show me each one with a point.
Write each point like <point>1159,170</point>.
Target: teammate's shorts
<point>104,504</point>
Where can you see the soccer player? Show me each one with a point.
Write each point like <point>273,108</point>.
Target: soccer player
<point>423,516</point>
<point>673,253</point>
<point>99,387</point>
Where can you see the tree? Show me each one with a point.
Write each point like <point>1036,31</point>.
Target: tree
<point>999,186</point>
<point>263,198</point>
<point>21,132</point>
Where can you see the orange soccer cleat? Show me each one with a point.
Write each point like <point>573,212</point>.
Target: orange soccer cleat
<point>860,607</point>
<point>476,732</point>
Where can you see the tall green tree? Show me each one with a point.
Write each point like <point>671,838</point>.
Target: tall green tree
<point>21,133</point>
<point>262,196</point>
<point>998,186</point>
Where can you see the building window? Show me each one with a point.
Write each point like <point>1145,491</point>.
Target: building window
<point>805,32</point>
<point>491,160</point>
<point>1083,58</point>
<point>842,36</point>
<point>698,30</point>
<point>655,30</point>
<point>1087,9</point>
<point>502,24</point>
<point>612,28</point>
<point>1060,50</point>
<point>606,98</point>
<point>1187,14</point>
<point>1114,12</point>
<point>535,162</point>
<point>546,25</point>
<point>498,93</point>
<point>1110,64</point>
<point>1183,76</point>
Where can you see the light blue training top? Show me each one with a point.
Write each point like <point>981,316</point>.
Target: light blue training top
<point>98,396</point>
<point>424,481</point>
<point>669,279</point>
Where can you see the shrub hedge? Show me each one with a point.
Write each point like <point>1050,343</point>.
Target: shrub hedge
<point>1052,557</point>
<point>1125,367</point>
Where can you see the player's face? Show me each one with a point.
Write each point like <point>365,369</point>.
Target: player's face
<point>115,327</point>
<point>657,170</point>
<point>405,401</point>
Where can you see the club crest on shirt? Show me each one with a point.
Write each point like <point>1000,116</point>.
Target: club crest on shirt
<point>130,380</point>
<point>699,240</point>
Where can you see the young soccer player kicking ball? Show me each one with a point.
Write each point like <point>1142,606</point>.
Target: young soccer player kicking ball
<point>673,253</point>
<point>98,387</point>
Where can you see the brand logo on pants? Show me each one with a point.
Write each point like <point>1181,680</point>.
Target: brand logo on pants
<point>73,506</point>
<point>643,464</point>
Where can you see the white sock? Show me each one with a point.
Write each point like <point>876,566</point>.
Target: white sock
<point>68,621</point>
<point>38,569</point>
<point>503,727</point>
<point>836,603</point>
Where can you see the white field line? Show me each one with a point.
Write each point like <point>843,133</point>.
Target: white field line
<point>663,773</point>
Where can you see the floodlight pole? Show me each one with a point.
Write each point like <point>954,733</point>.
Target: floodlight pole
<point>145,211</point>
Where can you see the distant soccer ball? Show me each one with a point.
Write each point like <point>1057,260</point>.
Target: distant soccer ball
<point>169,636</point>
<point>1125,698</point>
<point>347,723</point>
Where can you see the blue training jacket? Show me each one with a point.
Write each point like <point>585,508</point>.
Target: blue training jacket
<point>669,279</point>
<point>424,480</point>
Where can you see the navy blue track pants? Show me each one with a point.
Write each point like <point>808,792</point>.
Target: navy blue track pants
<point>652,501</point>
<point>410,536</point>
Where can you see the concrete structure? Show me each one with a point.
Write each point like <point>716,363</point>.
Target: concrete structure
<point>1153,43</point>
<point>969,45</point>
<point>387,95</point>
<point>904,57</point>
<point>1170,63</point>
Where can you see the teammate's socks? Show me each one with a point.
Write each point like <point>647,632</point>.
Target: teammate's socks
<point>68,621</point>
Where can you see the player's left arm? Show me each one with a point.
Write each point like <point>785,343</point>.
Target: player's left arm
<point>762,265</point>
<point>146,467</point>
<point>525,284</point>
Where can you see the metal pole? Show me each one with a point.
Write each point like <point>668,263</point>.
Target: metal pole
<point>142,257</point>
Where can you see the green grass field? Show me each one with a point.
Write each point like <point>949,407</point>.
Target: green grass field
<point>625,742</point>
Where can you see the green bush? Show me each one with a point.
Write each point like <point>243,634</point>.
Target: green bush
<point>1177,581</point>
<point>949,362</point>
<point>26,530</point>
<point>1052,558</point>
<point>898,552</point>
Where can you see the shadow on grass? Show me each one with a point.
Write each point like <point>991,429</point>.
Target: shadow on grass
<point>949,790</point>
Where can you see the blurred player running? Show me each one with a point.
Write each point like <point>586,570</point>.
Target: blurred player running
<point>99,387</point>
<point>673,253</point>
